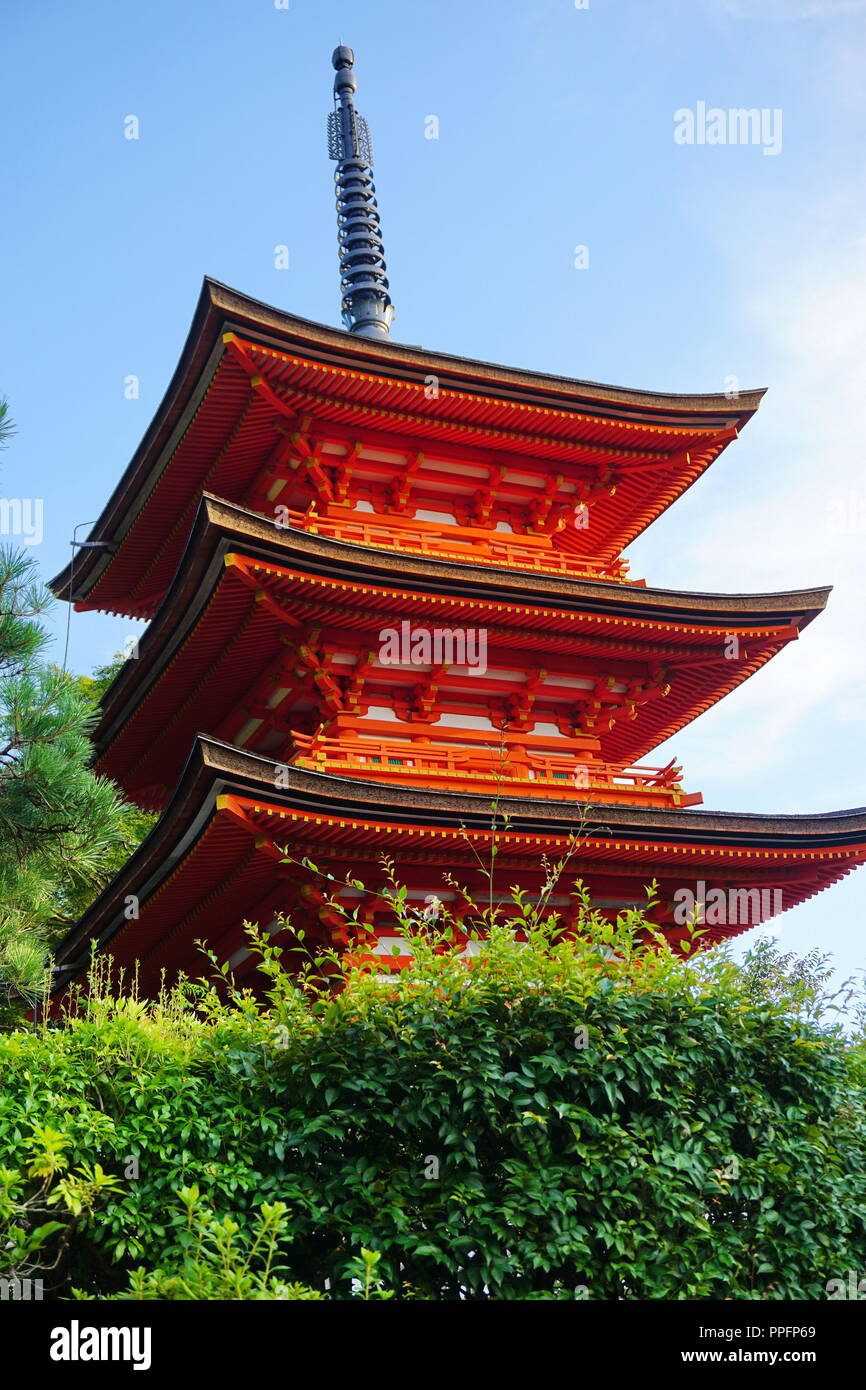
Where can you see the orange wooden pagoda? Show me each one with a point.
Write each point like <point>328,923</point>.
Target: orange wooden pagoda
<point>303,491</point>
<point>385,586</point>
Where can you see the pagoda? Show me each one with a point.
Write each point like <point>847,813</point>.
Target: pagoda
<point>385,587</point>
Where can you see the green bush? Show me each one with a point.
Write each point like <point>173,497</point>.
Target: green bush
<point>562,1119</point>
<point>214,1259</point>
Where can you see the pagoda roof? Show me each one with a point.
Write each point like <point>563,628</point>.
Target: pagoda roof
<point>213,860</point>
<point>246,366</point>
<point>244,582</point>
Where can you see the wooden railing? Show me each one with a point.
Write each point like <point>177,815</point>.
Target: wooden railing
<point>527,773</point>
<point>474,545</point>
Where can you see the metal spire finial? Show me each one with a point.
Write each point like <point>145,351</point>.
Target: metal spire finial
<point>367,307</point>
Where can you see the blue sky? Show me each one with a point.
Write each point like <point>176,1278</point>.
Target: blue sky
<point>556,129</point>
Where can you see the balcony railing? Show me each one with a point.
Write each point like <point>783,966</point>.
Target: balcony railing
<point>473,545</point>
<point>522,773</point>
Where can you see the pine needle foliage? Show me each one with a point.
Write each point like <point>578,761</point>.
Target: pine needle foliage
<point>61,827</point>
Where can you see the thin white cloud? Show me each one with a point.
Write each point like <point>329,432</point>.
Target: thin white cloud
<point>790,513</point>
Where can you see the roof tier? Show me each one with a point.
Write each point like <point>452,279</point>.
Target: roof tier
<point>266,634</point>
<point>272,410</point>
<point>216,860</point>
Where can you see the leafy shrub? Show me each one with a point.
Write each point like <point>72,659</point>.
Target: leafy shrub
<point>561,1119</point>
<point>218,1261</point>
